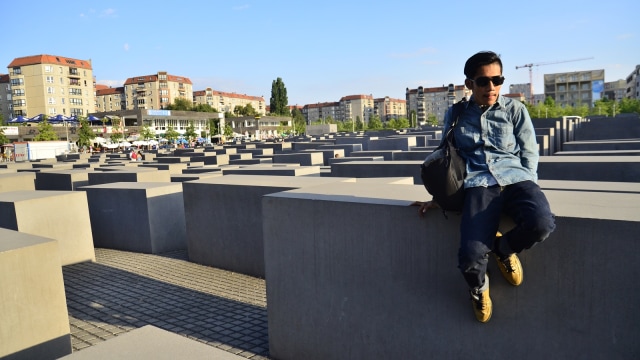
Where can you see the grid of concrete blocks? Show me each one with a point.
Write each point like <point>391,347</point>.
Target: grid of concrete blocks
<point>309,249</point>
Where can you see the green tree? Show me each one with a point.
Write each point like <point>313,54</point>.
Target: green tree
<point>359,124</point>
<point>45,131</point>
<point>279,102</point>
<point>629,106</point>
<point>346,126</point>
<point>432,120</point>
<point>116,130</point>
<point>190,132</point>
<point>3,138</point>
<point>238,110</point>
<point>147,133</point>
<point>171,134</point>
<point>203,108</point>
<point>181,104</point>
<point>85,133</point>
<point>374,123</point>
<point>228,130</point>
<point>299,122</point>
<point>249,110</point>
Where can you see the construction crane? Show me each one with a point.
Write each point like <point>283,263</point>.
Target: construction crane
<point>530,66</point>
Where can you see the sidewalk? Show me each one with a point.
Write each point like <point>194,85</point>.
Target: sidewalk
<point>123,291</point>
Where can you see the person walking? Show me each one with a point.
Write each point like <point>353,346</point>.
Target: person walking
<point>496,137</point>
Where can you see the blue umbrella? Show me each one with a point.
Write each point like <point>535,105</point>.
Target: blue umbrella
<point>93,118</point>
<point>36,118</point>
<point>58,118</point>
<point>19,119</point>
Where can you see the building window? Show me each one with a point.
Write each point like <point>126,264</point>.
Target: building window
<point>50,90</point>
<point>52,101</point>
<point>48,68</point>
<point>17,82</point>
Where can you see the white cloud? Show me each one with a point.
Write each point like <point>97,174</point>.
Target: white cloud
<point>126,47</point>
<point>241,7</point>
<point>108,13</point>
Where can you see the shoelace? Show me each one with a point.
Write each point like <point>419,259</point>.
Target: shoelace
<point>508,265</point>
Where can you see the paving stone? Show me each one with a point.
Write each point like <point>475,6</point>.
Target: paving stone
<point>123,291</point>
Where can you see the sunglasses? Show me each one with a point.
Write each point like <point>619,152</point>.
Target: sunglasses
<point>484,80</point>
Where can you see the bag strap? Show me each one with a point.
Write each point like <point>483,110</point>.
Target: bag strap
<point>456,110</point>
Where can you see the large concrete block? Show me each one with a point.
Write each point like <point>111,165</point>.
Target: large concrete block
<point>146,217</point>
<point>171,168</point>
<point>274,170</point>
<point>33,310</point>
<point>68,180</point>
<point>356,271</point>
<point>360,169</point>
<point>396,143</point>
<point>590,168</point>
<point>138,174</point>
<point>224,218</point>
<point>302,158</point>
<point>150,342</point>
<point>348,148</point>
<point>58,215</point>
<point>386,154</point>
<point>17,181</point>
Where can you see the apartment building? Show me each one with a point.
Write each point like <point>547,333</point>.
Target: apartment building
<point>388,108</point>
<point>575,88</point>
<point>353,107</point>
<point>109,99</point>
<point>50,85</point>
<point>156,91</point>
<point>423,102</point>
<point>5,97</point>
<point>227,102</point>
<point>633,84</point>
<point>524,89</point>
<point>321,111</point>
<point>615,90</point>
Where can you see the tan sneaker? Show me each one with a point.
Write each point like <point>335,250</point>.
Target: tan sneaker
<point>511,269</point>
<point>482,305</point>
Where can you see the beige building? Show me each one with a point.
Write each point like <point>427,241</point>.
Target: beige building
<point>321,111</point>
<point>615,90</point>
<point>109,99</point>
<point>423,102</point>
<point>575,88</point>
<point>156,91</point>
<point>387,108</point>
<point>53,85</point>
<point>227,102</point>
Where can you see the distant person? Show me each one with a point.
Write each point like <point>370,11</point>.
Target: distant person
<point>139,155</point>
<point>496,137</point>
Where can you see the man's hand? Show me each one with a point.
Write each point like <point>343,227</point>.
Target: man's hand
<point>424,206</point>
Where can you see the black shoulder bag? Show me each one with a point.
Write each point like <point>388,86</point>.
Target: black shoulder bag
<point>444,170</point>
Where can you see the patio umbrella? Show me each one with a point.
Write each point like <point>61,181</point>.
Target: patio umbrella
<point>19,119</point>
<point>36,118</point>
<point>93,118</point>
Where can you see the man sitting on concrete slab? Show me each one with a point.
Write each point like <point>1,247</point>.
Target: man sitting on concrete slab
<point>496,137</point>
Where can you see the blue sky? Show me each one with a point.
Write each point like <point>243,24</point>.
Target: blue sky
<point>327,49</point>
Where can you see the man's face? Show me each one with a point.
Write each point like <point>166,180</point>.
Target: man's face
<point>485,94</point>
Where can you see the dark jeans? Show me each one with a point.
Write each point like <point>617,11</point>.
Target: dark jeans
<point>524,202</point>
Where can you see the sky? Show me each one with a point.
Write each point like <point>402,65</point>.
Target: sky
<point>328,49</point>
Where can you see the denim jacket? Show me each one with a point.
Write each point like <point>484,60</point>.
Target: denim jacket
<point>499,145</point>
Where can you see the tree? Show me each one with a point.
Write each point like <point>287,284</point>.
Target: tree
<point>116,131</point>
<point>359,124</point>
<point>182,104</point>
<point>171,134</point>
<point>374,123</point>
<point>3,138</point>
<point>279,102</point>
<point>228,130</point>
<point>190,132</point>
<point>299,122</point>
<point>238,110</point>
<point>45,131</point>
<point>249,110</point>
<point>147,133</point>
<point>432,120</point>
<point>85,133</point>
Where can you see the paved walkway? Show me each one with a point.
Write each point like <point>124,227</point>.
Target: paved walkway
<point>123,291</point>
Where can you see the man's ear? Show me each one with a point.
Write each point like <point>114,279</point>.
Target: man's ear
<point>468,83</point>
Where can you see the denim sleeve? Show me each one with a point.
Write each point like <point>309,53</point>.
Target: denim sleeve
<point>526,138</point>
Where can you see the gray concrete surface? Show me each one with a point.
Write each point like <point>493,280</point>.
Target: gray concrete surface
<point>146,217</point>
<point>59,215</point>
<point>377,281</point>
<point>34,322</point>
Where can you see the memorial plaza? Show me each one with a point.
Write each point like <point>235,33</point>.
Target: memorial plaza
<point>310,249</point>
